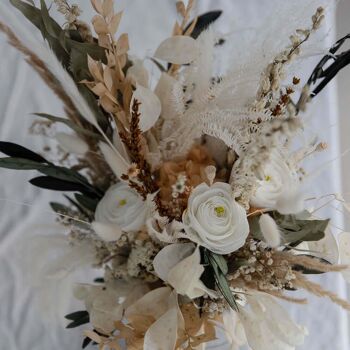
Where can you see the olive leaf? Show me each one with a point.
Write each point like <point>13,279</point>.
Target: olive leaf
<point>19,164</point>
<point>58,207</point>
<point>78,318</point>
<point>86,202</point>
<point>14,150</point>
<point>51,183</point>
<point>219,268</point>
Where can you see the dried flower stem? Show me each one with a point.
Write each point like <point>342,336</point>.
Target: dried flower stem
<point>314,288</point>
<point>133,142</point>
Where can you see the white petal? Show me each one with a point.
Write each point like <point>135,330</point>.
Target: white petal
<point>72,143</point>
<point>270,230</point>
<point>178,50</point>
<point>150,107</point>
<point>170,256</point>
<point>163,333</point>
<point>116,162</point>
<point>108,233</point>
<point>344,253</point>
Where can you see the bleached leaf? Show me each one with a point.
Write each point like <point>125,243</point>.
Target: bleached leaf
<point>116,162</point>
<point>123,44</point>
<point>72,144</point>
<point>107,7</point>
<point>97,5</point>
<point>114,24</point>
<point>100,25</point>
<point>94,69</point>
<point>108,233</point>
<point>150,107</point>
<point>163,333</point>
<point>170,256</point>
<point>178,50</point>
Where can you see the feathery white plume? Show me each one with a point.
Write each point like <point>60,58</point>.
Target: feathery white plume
<point>270,230</point>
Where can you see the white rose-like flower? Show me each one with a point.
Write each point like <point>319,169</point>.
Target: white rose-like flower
<point>278,186</point>
<point>214,220</point>
<point>123,207</point>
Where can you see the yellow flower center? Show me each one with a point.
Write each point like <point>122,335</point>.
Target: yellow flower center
<point>220,211</point>
<point>267,178</point>
<point>122,202</point>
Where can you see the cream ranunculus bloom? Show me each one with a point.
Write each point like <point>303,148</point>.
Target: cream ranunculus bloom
<point>214,220</point>
<point>123,207</point>
<point>278,186</point>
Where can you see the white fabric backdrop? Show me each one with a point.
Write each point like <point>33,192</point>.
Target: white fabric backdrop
<point>22,93</point>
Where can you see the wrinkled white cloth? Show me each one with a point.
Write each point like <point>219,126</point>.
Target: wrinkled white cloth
<point>22,93</point>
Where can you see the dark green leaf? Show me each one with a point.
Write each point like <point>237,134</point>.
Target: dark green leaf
<point>86,342</point>
<point>220,279</point>
<point>86,202</point>
<point>203,22</point>
<point>79,322</point>
<point>58,207</point>
<point>17,151</point>
<point>50,183</point>
<point>99,280</point>
<point>35,16</point>
<point>52,27</point>
<point>77,315</point>
<point>77,205</point>
<point>19,164</point>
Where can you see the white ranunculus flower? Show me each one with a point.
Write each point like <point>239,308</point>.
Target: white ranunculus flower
<point>214,220</point>
<point>122,206</point>
<point>278,186</point>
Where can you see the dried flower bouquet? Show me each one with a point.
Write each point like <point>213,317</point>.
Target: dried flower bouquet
<point>188,195</point>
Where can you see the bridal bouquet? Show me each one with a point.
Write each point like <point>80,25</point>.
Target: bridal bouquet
<point>188,193</point>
